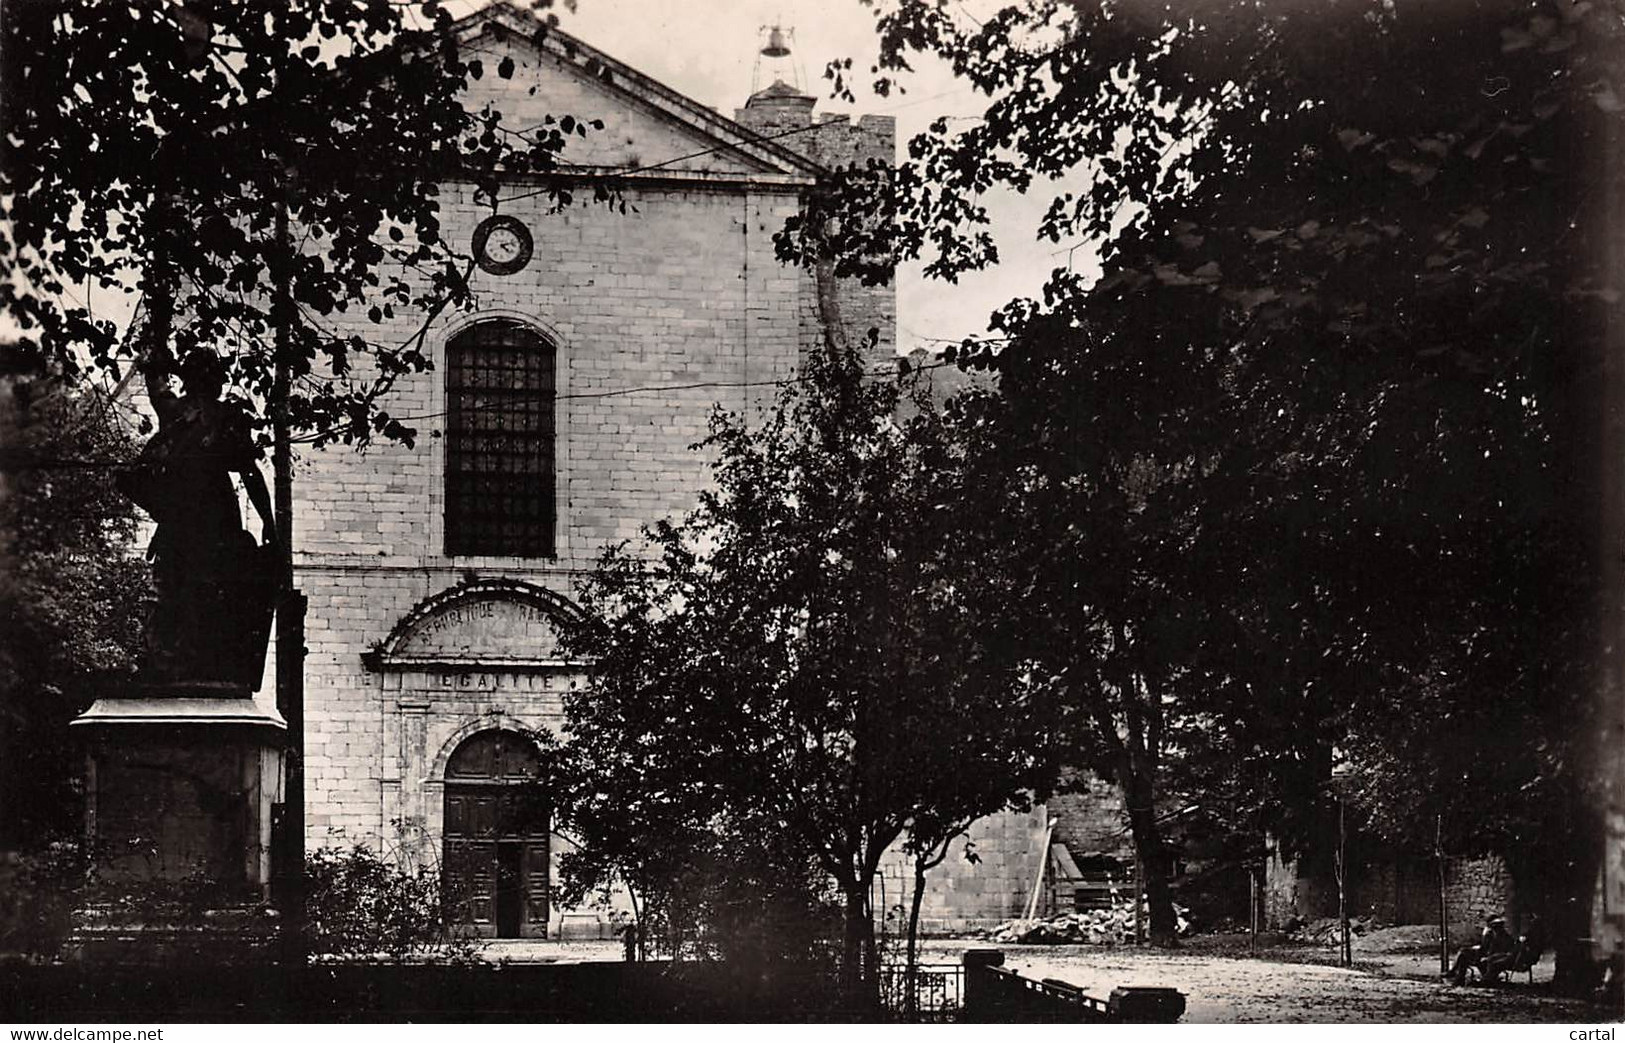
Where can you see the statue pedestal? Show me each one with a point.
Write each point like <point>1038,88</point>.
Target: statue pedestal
<point>180,783</point>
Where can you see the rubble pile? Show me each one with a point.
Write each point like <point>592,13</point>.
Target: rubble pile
<point>1326,931</point>
<point>1114,926</point>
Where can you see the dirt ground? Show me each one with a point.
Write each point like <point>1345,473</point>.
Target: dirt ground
<point>1287,983</point>
<point>1222,983</point>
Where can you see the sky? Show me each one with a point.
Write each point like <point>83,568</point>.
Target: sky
<point>707,49</point>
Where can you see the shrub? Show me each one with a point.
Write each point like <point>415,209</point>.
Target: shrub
<point>358,904</point>
<point>38,893</point>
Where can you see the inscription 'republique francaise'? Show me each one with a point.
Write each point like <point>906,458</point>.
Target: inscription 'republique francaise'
<point>493,626</point>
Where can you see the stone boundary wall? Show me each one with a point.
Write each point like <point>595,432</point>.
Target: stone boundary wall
<point>1394,893</point>
<point>1474,890</point>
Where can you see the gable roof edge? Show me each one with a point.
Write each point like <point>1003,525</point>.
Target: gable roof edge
<point>502,16</point>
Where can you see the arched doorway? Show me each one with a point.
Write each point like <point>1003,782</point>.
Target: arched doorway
<point>495,833</point>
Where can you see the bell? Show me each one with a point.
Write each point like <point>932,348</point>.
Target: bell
<point>776,47</point>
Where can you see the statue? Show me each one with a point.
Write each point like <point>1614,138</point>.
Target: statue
<point>169,809</point>
<point>216,585</point>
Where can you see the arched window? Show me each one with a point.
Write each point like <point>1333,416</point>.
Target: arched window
<point>499,441</point>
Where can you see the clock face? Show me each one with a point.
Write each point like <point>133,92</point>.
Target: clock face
<point>502,245</point>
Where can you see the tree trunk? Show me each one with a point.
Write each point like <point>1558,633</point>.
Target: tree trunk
<point>153,358</point>
<point>1574,882</point>
<point>911,1005</point>
<point>1155,862</point>
<point>1595,439</point>
<point>1345,954</point>
<point>871,956</point>
<point>1444,910</point>
<point>860,993</point>
<point>827,288</point>
<point>633,943</point>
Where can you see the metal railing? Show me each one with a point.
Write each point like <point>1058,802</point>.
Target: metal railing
<point>938,991</point>
<point>993,994</point>
<point>1008,995</point>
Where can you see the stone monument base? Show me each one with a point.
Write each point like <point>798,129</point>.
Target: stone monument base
<point>108,934</point>
<point>181,781</point>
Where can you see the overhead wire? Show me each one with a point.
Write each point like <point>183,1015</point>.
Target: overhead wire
<point>642,389</point>
<point>752,139</point>
<point>510,400</point>
<point>879,371</point>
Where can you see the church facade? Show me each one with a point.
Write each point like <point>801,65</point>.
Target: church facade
<point>558,417</point>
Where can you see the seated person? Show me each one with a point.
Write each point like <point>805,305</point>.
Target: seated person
<point>1531,944</point>
<point>1493,954</point>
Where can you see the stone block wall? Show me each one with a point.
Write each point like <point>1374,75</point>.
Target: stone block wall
<point>837,142</point>
<point>681,297</point>
<point>372,738</point>
<point>657,315</point>
<point>962,895</point>
<point>1400,892</point>
<point>1090,820</point>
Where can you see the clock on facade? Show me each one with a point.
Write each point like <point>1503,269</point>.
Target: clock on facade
<point>502,244</point>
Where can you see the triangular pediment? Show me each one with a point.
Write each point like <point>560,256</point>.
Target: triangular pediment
<point>647,126</point>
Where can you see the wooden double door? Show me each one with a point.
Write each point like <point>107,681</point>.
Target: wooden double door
<point>496,861</point>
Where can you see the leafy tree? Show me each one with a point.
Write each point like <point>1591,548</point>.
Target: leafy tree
<point>1311,455</point>
<point>701,888</point>
<point>782,663</point>
<point>170,148</point>
<point>702,883</point>
<point>1085,487</point>
<point>72,592</point>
